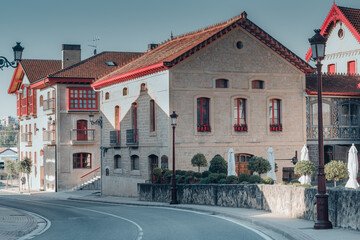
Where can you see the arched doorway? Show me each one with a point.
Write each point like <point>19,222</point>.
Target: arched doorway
<point>328,154</point>
<point>241,162</point>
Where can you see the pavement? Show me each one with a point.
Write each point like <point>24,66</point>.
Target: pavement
<point>287,228</point>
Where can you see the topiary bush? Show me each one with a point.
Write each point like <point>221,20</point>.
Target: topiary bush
<point>231,179</point>
<point>214,178</point>
<point>255,179</point>
<point>218,164</point>
<point>267,180</point>
<point>157,171</point>
<point>221,176</point>
<point>204,181</point>
<point>304,168</point>
<point>259,165</point>
<point>205,174</point>
<point>336,171</point>
<point>167,176</point>
<point>244,177</point>
<point>199,160</point>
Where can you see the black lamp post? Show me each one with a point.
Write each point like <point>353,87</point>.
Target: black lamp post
<point>173,117</point>
<point>18,49</point>
<point>97,121</point>
<point>317,43</point>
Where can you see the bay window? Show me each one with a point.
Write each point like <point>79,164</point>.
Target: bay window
<point>82,99</point>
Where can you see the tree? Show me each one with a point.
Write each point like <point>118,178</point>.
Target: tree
<point>199,160</point>
<point>304,168</point>
<point>9,137</point>
<point>259,165</point>
<point>25,167</point>
<point>336,171</point>
<point>218,164</point>
<point>9,168</point>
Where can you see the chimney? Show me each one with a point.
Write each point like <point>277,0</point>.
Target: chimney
<point>151,46</point>
<point>71,54</point>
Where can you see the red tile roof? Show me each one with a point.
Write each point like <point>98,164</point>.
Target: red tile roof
<point>179,48</point>
<point>36,69</point>
<point>353,15</point>
<point>334,84</point>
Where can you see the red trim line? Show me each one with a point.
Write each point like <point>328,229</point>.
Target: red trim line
<point>90,172</point>
<point>333,93</point>
<point>131,75</point>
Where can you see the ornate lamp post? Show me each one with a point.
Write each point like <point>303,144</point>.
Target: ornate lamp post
<point>317,43</point>
<point>18,49</point>
<point>97,121</point>
<point>173,117</point>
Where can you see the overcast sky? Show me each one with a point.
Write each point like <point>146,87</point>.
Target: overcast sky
<point>42,25</point>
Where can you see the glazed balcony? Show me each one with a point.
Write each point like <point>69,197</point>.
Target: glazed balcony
<point>49,105</point>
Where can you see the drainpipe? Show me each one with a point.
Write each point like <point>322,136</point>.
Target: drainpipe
<point>101,147</point>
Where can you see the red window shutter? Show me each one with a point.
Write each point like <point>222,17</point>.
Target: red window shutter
<point>331,69</point>
<point>351,67</point>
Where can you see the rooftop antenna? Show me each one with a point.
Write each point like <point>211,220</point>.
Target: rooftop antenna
<point>94,45</point>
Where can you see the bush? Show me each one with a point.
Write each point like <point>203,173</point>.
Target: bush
<point>244,177</point>
<point>268,180</point>
<point>180,179</point>
<point>294,181</point>
<point>304,168</point>
<point>231,179</point>
<point>197,175</point>
<point>222,176</point>
<point>199,160</point>
<point>205,174</point>
<point>255,179</point>
<point>187,179</point>
<point>167,176</point>
<point>336,171</point>
<point>204,181</point>
<point>218,164</point>
<point>157,171</point>
<point>244,182</point>
<point>307,185</point>
<point>189,174</point>
<point>259,165</point>
<point>214,178</point>
<point>180,172</point>
<point>223,181</point>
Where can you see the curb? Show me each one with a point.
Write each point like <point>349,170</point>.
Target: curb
<point>42,224</point>
<point>289,233</point>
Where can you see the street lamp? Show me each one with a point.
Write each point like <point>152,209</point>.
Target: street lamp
<point>18,49</point>
<point>317,43</point>
<point>173,117</point>
<point>97,121</point>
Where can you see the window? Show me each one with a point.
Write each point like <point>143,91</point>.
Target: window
<point>41,152</point>
<point>164,162</point>
<point>24,92</point>
<point>326,111</point>
<point>275,115</point>
<point>351,67</point>
<point>331,69</point>
<point>350,114</point>
<point>134,116</point>
<point>240,114</point>
<point>135,162</point>
<point>143,87</point>
<point>41,101</point>
<point>34,129</point>
<point>125,91</point>
<point>82,99</point>
<point>257,84</point>
<point>221,83</point>
<point>152,115</point>
<point>117,118</point>
<point>110,63</point>
<point>35,160</point>
<point>107,96</point>
<point>117,161</point>
<point>81,130</point>
<point>203,115</point>
<point>82,160</point>
<point>239,45</point>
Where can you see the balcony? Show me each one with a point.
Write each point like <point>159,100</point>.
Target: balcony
<point>82,136</point>
<point>49,136</point>
<point>131,138</point>
<point>49,105</point>
<point>115,138</point>
<point>26,138</point>
<point>335,132</point>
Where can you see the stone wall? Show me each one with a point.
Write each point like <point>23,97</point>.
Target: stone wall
<point>289,201</point>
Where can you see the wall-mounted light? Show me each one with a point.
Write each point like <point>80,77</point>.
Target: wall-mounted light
<point>97,121</point>
<point>18,49</point>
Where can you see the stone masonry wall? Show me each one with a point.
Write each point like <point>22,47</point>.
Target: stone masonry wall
<point>289,201</point>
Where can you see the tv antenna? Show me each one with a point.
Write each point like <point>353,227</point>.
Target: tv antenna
<point>94,44</point>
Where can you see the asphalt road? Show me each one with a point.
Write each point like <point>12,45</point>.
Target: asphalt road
<point>87,220</point>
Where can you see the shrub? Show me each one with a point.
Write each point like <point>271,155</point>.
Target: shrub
<point>180,179</point>
<point>307,185</point>
<point>259,165</point>
<point>294,181</point>
<point>244,177</point>
<point>222,176</point>
<point>199,160</point>
<point>204,181</point>
<point>167,176</point>
<point>231,179</point>
<point>255,179</point>
<point>180,172</point>
<point>304,168</point>
<point>197,175</point>
<point>268,180</point>
<point>244,182</point>
<point>336,171</point>
<point>205,174</point>
<point>187,179</point>
<point>214,178</point>
<point>157,171</point>
<point>218,164</point>
<point>189,174</point>
<point>223,181</point>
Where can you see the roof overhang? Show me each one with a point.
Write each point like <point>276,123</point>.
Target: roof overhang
<point>16,80</point>
<point>45,82</point>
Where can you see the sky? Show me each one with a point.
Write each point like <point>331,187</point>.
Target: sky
<point>42,25</point>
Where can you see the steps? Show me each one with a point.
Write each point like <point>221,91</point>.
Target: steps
<point>90,184</point>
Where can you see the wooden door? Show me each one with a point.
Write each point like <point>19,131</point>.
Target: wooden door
<point>241,162</point>
<point>82,134</point>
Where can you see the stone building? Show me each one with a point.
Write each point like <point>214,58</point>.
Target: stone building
<point>232,85</point>
<point>54,100</point>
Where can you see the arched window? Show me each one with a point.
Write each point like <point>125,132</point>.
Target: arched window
<point>275,115</point>
<point>135,162</point>
<point>351,67</point>
<point>143,87</point>
<point>203,115</point>
<point>221,83</point>
<point>125,91</point>
<point>107,172</point>
<point>117,161</point>
<point>41,101</point>
<point>240,114</point>
<point>34,129</point>
<point>257,84</point>
<point>134,120</point>
<point>152,116</point>
<point>326,112</point>
<point>350,114</point>
<point>164,162</point>
<point>82,160</point>
<point>331,69</point>
<point>117,118</point>
<point>107,96</point>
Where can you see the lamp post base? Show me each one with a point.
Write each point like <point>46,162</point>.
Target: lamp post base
<point>323,225</point>
<point>322,211</point>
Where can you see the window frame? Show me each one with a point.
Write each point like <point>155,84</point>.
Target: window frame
<point>135,166</point>
<point>117,161</point>
<point>329,68</point>
<point>349,67</point>
<point>80,158</point>
<point>125,91</point>
<point>349,115</point>
<point>275,126</point>
<point>94,97</point>
<point>221,83</point>
<point>203,123</point>
<point>152,116</point>
<point>257,84</point>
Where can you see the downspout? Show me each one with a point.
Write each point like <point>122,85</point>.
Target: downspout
<point>56,130</point>
<point>101,146</point>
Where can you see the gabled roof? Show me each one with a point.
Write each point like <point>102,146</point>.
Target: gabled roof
<point>349,16</point>
<point>181,47</point>
<point>34,69</point>
<point>2,150</point>
<point>334,84</point>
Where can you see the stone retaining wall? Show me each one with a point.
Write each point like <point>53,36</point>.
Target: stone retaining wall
<point>289,201</point>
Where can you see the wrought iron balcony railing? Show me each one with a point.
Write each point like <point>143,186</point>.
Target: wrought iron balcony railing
<point>49,104</point>
<point>82,136</point>
<point>131,137</point>
<point>115,138</point>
